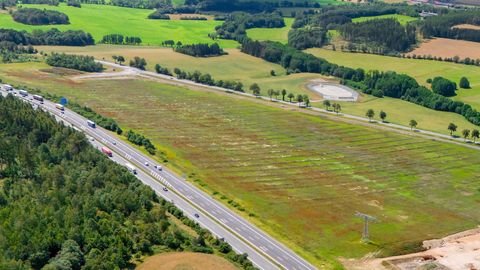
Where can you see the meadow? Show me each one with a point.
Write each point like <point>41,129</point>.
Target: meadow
<point>444,47</point>
<point>301,176</point>
<point>272,34</point>
<point>402,19</point>
<point>248,70</point>
<point>421,70</point>
<point>100,20</point>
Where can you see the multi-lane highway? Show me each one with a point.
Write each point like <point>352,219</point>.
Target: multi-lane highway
<point>264,251</point>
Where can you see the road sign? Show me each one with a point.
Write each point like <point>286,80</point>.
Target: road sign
<point>63,101</point>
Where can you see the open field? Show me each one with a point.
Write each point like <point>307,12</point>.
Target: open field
<point>467,26</point>
<point>444,47</point>
<point>419,69</point>
<point>100,20</point>
<point>272,34</point>
<point>302,176</point>
<point>185,261</point>
<point>234,66</point>
<point>402,19</point>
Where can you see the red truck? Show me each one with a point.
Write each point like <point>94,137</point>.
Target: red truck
<point>107,151</point>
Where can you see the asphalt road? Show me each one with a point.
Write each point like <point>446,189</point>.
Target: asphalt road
<point>264,251</point>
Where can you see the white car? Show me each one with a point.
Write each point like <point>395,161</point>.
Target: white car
<point>146,164</point>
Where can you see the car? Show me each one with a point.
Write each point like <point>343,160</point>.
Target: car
<point>155,166</point>
<point>146,164</point>
<point>160,168</point>
<point>92,139</point>
<point>165,189</point>
<point>114,143</point>
<point>197,215</point>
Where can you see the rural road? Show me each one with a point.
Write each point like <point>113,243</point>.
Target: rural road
<point>264,251</point>
<point>131,71</point>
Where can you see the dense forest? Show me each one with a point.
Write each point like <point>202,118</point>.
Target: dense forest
<point>380,36</point>
<point>303,38</point>
<point>42,2</point>
<point>72,61</point>
<point>200,50</point>
<point>50,37</point>
<point>35,16</point>
<point>443,26</point>
<point>374,82</point>
<point>64,205</point>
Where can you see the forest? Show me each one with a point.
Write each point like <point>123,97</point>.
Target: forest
<point>64,205</point>
<point>236,23</point>
<point>303,38</point>
<point>373,82</point>
<point>49,37</point>
<point>200,50</point>
<point>442,26</point>
<point>72,61</point>
<point>35,16</point>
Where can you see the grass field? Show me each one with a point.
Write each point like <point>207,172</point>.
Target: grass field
<point>100,20</point>
<point>301,175</point>
<point>273,34</point>
<point>402,19</point>
<point>419,69</point>
<point>185,261</point>
<point>245,68</point>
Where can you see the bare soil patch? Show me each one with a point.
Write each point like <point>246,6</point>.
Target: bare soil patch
<point>443,47</point>
<point>467,26</point>
<point>185,261</point>
<point>61,71</point>
<point>179,16</point>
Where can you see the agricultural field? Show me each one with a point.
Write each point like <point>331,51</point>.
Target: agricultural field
<point>301,176</point>
<point>100,20</point>
<point>402,19</point>
<point>272,34</point>
<point>246,69</point>
<point>419,69</point>
<point>444,47</point>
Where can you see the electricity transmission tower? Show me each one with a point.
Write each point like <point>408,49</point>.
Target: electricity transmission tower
<point>366,219</point>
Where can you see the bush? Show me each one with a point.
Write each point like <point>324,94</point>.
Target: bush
<point>377,93</point>
<point>444,87</point>
<point>464,83</point>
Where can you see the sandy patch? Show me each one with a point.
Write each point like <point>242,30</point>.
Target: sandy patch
<point>185,261</point>
<point>444,47</point>
<point>467,26</point>
<point>333,91</point>
<point>456,252</point>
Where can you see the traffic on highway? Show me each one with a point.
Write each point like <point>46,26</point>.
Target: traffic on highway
<point>264,251</point>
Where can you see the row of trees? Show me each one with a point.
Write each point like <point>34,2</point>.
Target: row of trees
<point>207,79</point>
<point>141,140</point>
<point>201,50</point>
<point>72,61</point>
<point>50,37</point>
<point>35,16</point>
<point>138,62</point>
<point>121,40</point>
<point>373,82</point>
<point>303,100</point>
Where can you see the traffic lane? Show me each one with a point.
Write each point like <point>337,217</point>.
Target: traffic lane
<point>224,215</point>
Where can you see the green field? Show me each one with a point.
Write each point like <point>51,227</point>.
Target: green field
<point>100,20</point>
<point>419,69</point>
<point>402,19</point>
<point>301,175</point>
<point>272,34</point>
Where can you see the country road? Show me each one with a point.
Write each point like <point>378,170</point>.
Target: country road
<point>264,251</point>
<point>132,72</point>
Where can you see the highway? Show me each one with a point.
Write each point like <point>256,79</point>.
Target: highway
<point>264,251</point>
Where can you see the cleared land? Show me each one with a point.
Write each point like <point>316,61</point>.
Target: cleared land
<point>234,66</point>
<point>419,69</point>
<point>444,47</point>
<point>185,261</point>
<point>467,26</point>
<point>273,34</point>
<point>100,20</point>
<point>301,175</point>
<point>402,19</point>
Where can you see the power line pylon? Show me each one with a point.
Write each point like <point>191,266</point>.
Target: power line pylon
<point>366,218</point>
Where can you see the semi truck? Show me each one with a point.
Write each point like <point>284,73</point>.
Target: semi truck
<point>131,168</point>
<point>60,107</point>
<point>38,97</point>
<point>91,124</point>
<point>23,93</point>
<point>107,151</point>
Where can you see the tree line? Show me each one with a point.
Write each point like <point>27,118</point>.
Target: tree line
<point>49,37</point>
<point>72,61</point>
<point>35,16</point>
<point>200,50</point>
<point>141,140</point>
<point>119,39</point>
<point>373,82</point>
<point>97,214</point>
<point>11,52</point>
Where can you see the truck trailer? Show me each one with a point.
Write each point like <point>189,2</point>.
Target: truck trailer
<point>107,151</point>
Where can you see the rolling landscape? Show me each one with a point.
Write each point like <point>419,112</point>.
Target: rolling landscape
<point>249,134</point>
